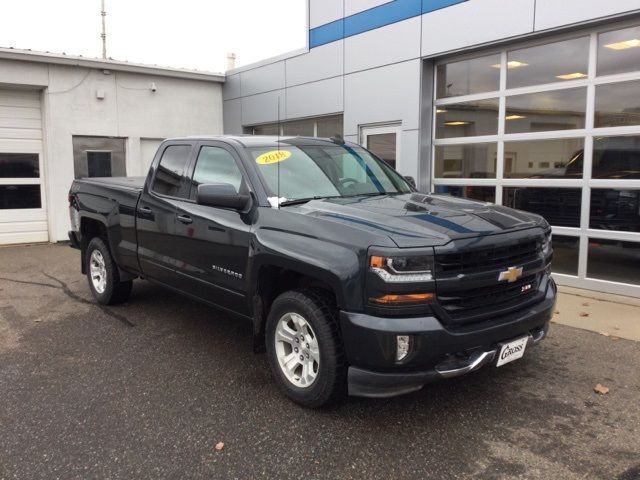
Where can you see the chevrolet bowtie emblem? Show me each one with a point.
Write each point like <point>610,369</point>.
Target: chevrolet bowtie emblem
<point>511,274</point>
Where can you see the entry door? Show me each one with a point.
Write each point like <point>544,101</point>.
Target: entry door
<point>383,141</point>
<point>213,243</point>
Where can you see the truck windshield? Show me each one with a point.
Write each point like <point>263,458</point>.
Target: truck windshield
<point>320,171</point>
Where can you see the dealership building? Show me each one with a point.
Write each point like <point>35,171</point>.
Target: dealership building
<point>533,104</point>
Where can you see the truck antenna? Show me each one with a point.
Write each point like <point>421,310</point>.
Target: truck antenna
<point>103,35</point>
<point>278,200</point>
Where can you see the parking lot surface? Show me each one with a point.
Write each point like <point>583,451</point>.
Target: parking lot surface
<point>148,388</point>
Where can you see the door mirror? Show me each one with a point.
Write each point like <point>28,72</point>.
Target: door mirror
<point>221,195</point>
<point>411,181</point>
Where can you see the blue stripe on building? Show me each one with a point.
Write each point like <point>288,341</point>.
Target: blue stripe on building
<point>376,17</point>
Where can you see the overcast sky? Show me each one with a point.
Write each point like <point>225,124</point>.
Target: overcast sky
<point>177,33</point>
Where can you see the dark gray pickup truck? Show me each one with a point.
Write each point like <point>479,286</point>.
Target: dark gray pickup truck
<point>354,281</point>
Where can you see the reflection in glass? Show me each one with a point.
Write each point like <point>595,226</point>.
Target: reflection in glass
<point>619,51</point>
<point>539,112</point>
<point>466,161</point>
<point>553,62</point>
<point>19,165</point>
<point>484,194</point>
<point>559,206</point>
<point>467,119</point>
<point>618,104</point>
<point>616,157</point>
<point>19,196</point>
<point>562,158</point>
<point>299,127</point>
<point>615,209</point>
<point>476,75</point>
<point>565,254</point>
<point>383,145</point>
<point>613,260</point>
<point>330,126</point>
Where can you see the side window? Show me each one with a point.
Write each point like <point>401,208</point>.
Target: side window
<point>216,165</point>
<point>170,176</point>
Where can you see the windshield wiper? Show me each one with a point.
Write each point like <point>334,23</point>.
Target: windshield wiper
<point>298,201</point>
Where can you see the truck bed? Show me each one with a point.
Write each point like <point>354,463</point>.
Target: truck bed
<point>129,183</point>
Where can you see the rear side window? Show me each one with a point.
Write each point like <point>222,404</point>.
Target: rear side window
<point>170,176</point>
<point>216,165</point>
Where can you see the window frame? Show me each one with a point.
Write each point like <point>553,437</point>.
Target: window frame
<point>156,164</point>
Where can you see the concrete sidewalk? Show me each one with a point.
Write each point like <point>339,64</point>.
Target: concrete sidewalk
<point>610,315</point>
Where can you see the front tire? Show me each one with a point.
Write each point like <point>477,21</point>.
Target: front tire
<point>103,276</point>
<point>305,349</point>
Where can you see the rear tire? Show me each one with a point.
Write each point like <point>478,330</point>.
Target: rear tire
<point>305,349</point>
<point>103,275</point>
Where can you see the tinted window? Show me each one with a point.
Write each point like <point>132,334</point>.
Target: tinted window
<point>19,165</point>
<point>618,104</point>
<point>99,164</point>
<point>19,196</point>
<point>467,119</point>
<point>469,76</point>
<point>619,51</point>
<point>170,175</point>
<point>476,160</point>
<point>565,254</point>
<point>216,165</point>
<point>615,209</point>
<point>483,194</point>
<point>616,157</point>
<point>613,260</point>
<point>558,158</point>
<point>538,112</point>
<point>559,206</point>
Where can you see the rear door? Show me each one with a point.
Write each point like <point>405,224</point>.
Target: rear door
<point>156,212</point>
<point>213,243</point>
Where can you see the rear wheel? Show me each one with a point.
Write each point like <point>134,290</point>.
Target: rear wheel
<point>305,349</point>
<point>103,276</point>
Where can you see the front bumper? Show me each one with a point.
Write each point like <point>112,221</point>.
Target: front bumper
<point>439,351</point>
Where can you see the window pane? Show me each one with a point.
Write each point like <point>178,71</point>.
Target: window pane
<point>615,209</point>
<point>561,158</point>
<point>466,161</point>
<point>619,51</point>
<point>613,260</point>
<point>169,179</point>
<point>19,196</point>
<point>19,165</point>
<point>330,126</point>
<point>271,129</point>
<point>299,127</point>
<point>469,76</point>
<point>99,164</point>
<point>554,62</point>
<point>539,112</point>
<point>215,165</point>
<point>616,157</point>
<point>559,206</point>
<point>484,194</point>
<point>565,254</point>
<point>467,119</point>
<point>383,145</point>
<point>618,104</point>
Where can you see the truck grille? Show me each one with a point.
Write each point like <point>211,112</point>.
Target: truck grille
<point>465,306</point>
<point>487,258</point>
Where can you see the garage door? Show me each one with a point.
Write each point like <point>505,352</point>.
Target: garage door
<point>23,215</point>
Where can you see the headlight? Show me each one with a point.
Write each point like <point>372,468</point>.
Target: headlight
<point>402,269</point>
<point>546,244</point>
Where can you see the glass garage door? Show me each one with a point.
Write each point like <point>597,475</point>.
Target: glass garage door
<point>552,127</point>
<point>23,217</point>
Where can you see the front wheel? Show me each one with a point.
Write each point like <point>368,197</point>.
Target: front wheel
<point>103,276</point>
<point>305,349</point>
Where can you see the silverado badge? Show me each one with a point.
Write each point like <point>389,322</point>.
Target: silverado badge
<point>511,274</point>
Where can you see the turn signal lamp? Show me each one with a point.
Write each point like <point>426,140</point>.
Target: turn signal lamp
<point>401,298</point>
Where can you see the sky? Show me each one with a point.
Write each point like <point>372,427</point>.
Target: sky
<point>194,34</point>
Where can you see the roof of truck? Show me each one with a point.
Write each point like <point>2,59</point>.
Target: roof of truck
<point>263,140</point>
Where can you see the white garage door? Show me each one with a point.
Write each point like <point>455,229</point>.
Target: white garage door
<point>23,216</point>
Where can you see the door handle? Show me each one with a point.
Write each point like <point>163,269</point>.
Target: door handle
<point>145,210</point>
<point>186,219</point>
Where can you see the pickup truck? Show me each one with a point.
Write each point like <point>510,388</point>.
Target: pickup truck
<point>355,282</point>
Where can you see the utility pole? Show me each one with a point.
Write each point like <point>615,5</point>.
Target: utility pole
<point>104,32</point>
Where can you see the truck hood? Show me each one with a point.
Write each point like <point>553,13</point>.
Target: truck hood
<point>416,219</point>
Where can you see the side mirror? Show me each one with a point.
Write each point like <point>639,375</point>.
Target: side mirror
<point>411,181</point>
<point>221,195</point>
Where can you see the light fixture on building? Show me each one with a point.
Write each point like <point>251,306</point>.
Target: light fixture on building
<point>512,64</point>
<point>153,87</point>
<point>456,123</point>
<point>440,110</point>
<point>514,117</point>
<point>633,43</point>
<point>100,94</point>
<point>571,76</point>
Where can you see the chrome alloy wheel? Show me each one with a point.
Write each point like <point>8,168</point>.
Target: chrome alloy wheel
<point>297,350</point>
<point>98,271</point>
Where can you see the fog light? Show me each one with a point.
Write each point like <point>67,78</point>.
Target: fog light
<point>403,346</point>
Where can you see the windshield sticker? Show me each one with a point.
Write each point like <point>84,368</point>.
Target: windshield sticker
<point>274,156</point>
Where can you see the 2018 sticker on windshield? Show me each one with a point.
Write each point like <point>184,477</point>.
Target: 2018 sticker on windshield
<point>274,156</point>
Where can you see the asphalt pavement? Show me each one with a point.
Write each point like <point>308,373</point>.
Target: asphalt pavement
<point>148,388</point>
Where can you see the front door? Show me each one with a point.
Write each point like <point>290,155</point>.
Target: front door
<point>383,141</point>
<point>213,243</point>
<point>156,215</point>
